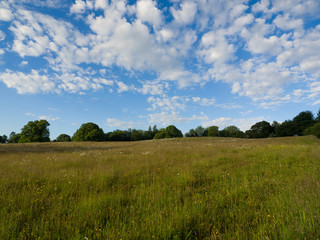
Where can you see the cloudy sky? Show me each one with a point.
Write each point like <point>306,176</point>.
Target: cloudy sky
<point>130,64</point>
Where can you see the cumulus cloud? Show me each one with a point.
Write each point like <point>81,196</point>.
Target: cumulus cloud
<point>148,12</point>
<point>167,103</point>
<point>204,101</point>
<point>5,14</point>
<point>116,123</point>
<point>259,51</point>
<point>27,83</point>
<point>186,12</point>
<point>172,117</point>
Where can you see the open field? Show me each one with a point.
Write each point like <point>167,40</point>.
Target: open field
<point>194,188</point>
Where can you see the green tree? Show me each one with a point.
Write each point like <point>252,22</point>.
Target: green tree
<point>200,131</point>
<point>3,139</point>
<point>63,138</point>
<point>173,132</point>
<point>160,135</point>
<point>318,116</point>
<point>213,131</point>
<point>302,121</point>
<point>260,130</point>
<point>313,130</point>
<point>191,133</point>
<point>231,131</point>
<point>35,131</point>
<point>136,135</point>
<point>89,132</point>
<point>119,135</point>
<point>14,137</point>
<point>286,128</point>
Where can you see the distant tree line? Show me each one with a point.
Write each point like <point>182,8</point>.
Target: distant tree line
<point>37,131</point>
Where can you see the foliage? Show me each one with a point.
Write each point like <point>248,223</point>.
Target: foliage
<point>88,132</point>
<point>302,121</point>
<point>261,129</point>
<point>313,130</point>
<point>191,133</point>
<point>287,128</point>
<point>172,132</point>
<point>63,138</point>
<point>213,131</point>
<point>14,137</point>
<point>160,135</point>
<point>231,131</point>
<point>136,135</point>
<point>35,131</point>
<point>119,135</point>
<point>200,131</point>
<point>3,139</point>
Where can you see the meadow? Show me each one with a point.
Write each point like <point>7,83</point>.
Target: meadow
<point>188,188</point>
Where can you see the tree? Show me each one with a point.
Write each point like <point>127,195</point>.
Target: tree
<point>63,138</point>
<point>191,133</point>
<point>231,131</point>
<point>136,135</point>
<point>35,131</point>
<point>260,130</point>
<point>3,139</point>
<point>88,132</point>
<point>160,135</point>
<point>14,137</point>
<point>286,128</point>
<point>302,121</point>
<point>213,131</point>
<point>200,131</point>
<point>173,132</point>
<point>318,116</point>
<point>119,135</point>
<point>313,130</point>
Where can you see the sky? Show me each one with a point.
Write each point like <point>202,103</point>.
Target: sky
<point>130,64</point>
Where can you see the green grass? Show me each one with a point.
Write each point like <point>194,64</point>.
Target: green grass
<point>196,188</point>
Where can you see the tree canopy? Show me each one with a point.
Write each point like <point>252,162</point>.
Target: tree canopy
<point>261,129</point>
<point>35,131</point>
<point>172,132</point>
<point>89,132</point>
<point>63,138</point>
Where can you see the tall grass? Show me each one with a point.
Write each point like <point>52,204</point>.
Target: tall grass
<point>198,188</point>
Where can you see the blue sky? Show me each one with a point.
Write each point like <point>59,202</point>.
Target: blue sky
<point>131,64</point>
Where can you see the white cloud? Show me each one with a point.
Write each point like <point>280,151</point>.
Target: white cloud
<point>2,35</point>
<point>204,101</point>
<point>48,118</point>
<point>167,103</point>
<point>116,123</point>
<point>153,88</point>
<point>122,87</point>
<point>168,118</point>
<point>5,14</point>
<point>186,13</point>
<point>78,7</point>
<point>27,83</point>
<point>148,12</point>
<point>24,63</point>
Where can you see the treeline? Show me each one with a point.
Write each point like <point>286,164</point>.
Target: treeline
<point>37,131</point>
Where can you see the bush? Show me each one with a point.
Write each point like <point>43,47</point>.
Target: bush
<point>63,138</point>
<point>160,135</point>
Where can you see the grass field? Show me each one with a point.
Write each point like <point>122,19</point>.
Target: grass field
<point>190,188</point>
